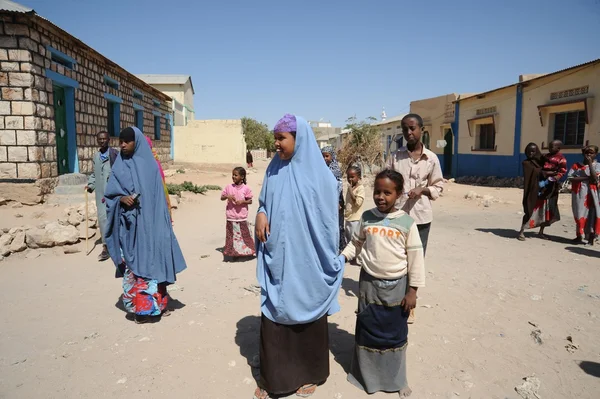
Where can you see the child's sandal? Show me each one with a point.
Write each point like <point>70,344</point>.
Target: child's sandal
<point>261,394</point>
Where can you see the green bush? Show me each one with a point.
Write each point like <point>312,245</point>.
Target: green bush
<point>177,189</point>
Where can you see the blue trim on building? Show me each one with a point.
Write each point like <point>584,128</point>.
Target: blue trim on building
<point>63,59</point>
<point>156,102</point>
<point>156,113</point>
<point>62,80</point>
<point>487,165</point>
<point>138,107</point>
<point>170,122</point>
<point>138,94</point>
<point>69,85</point>
<point>138,116</point>
<point>113,99</point>
<point>112,82</point>
<point>454,125</point>
<point>518,125</point>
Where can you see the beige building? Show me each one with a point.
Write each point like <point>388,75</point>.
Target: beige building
<point>390,131</point>
<point>210,141</point>
<point>494,127</point>
<point>180,89</point>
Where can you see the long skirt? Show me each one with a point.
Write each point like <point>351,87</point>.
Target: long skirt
<point>544,214</point>
<point>585,203</point>
<point>238,241</point>
<point>292,356</point>
<point>144,297</point>
<point>379,361</point>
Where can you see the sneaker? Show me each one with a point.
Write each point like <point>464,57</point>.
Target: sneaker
<point>103,255</point>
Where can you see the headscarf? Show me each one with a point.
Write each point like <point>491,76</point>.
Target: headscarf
<point>334,166</point>
<point>298,267</point>
<point>162,174</point>
<point>144,233</point>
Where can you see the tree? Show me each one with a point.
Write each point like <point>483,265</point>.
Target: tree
<point>363,144</point>
<point>257,134</point>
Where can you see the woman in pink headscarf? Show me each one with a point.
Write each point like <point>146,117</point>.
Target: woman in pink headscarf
<point>162,174</point>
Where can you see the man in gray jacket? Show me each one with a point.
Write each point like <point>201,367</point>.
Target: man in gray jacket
<point>103,161</point>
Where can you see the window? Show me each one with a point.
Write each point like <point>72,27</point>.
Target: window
<point>426,140</point>
<point>61,58</point>
<point>113,106</point>
<point>110,82</point>
<point>113,119</point>
<point>138,94</point>
<point>487,136</point>
<point>156,127</point>
<point>139,120</point>
<point>569,127</point>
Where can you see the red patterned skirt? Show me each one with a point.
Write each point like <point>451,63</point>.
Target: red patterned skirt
<point>238,241</point>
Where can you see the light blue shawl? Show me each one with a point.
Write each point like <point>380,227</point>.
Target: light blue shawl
<point>298,267</point>
<point>144,233</point>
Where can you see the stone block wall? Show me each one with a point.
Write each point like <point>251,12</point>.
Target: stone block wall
<point>27,130</point>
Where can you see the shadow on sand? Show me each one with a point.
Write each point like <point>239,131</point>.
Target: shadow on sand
<point>341,343</point>
<point>591,368</point>
<point>584,251</point>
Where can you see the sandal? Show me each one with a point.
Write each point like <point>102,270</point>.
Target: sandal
<point>306,391</point>
<point>261,394</point>
<point>141,319</point>
<point>521,237</point>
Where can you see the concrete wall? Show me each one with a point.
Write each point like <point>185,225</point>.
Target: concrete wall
<point>540,92</point>
<point>210,141</point>
<point>27,130</point>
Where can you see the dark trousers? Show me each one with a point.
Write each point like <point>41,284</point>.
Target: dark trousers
<point>424,234</point>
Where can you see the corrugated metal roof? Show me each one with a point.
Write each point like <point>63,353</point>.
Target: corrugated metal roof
<point>532,80</point>
<point>7,5</point>
<point>389,120</point>
<point>166,79</point>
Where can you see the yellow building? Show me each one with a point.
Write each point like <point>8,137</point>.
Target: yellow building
<point>491,129</point>
<point>438,117</point>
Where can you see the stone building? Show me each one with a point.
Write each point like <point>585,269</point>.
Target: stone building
<point>57,93</point>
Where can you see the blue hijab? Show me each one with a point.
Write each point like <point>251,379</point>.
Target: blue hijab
<point>144,233</point>
<point>298,267</point>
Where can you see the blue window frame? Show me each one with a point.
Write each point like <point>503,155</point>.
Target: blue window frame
<point>139,119</point>
<point>61,58</point>
<point>114,114</point>
<point>138,94</point>
<point>156,127</point>
<point>110,82</point>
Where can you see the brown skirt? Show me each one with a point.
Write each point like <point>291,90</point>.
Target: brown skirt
<point>293,356</point>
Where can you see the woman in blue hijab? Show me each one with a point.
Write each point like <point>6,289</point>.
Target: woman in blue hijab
<point>139,236</point>
<point>298,269</point>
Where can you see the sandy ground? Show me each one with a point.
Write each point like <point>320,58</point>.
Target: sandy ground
<point>63,335</point>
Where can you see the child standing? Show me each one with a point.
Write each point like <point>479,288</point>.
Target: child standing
<point>585,178</point>
<point>389,248</point>
<point>238,241</point>
<point>355,197</point>
<point>555,167</point>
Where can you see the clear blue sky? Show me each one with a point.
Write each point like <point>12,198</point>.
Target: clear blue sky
<point>332,58</point>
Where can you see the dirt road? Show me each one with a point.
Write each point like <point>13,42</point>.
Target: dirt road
<point>63,335</point>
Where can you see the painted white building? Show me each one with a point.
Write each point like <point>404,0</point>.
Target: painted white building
<point>390,130</point>
<point>180,89</point>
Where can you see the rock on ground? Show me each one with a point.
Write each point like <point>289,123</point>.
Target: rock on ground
<point>18,243</point>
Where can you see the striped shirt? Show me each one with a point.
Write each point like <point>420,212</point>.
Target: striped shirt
<point>388,247</point>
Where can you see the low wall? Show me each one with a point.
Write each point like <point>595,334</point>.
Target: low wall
<point>210,141</point>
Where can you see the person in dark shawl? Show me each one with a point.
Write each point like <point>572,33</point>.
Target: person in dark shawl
<point>537,211</point>
<point>139,236</point>
<point>298,267</point>
<point>331,160</point>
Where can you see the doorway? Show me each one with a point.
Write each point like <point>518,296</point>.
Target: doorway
<point>60,121</point>
<point>448,149</point>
